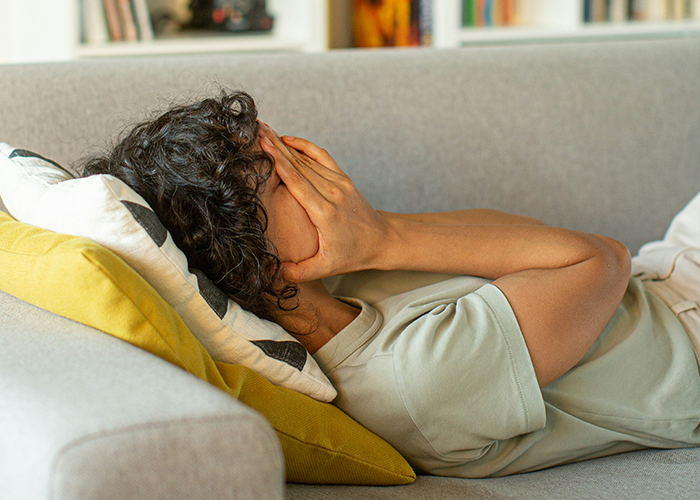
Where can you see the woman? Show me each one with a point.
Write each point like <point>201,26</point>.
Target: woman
<point>526,346</point>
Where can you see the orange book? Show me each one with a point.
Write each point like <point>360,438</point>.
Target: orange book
<point>383,23</point>
<point>508,12</point>
<point>478,12</point>
<point>498,6</point>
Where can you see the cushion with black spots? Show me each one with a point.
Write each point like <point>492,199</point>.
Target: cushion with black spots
<point>40,192</point>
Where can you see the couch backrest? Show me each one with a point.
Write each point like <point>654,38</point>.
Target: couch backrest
<point>602,137</point>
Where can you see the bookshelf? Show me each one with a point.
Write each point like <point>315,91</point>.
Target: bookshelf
<point>550,21</point>
<point>300,26</point>
<point>49,30</point>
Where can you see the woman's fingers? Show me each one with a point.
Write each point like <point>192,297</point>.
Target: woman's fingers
<point>350,231</point>
<point>301,167</point>
<point>319,176</point>
<point>308,270</point>
<point>296,158</point>
<point>284,166</point>
<point>266,131</point>
<point>313,151</point>
<point>300,187</point>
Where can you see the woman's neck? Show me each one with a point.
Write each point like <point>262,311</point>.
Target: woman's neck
<point>319,317</point>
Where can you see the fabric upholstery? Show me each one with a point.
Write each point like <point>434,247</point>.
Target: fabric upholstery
<point>641,475</point>
<point>88,416</point>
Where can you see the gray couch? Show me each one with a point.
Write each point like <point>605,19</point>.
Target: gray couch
<point>600,137</point>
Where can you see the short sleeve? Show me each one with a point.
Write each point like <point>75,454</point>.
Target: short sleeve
<point>466,378</point>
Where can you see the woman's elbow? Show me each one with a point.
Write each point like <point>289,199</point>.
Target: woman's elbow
<point>618,261</point>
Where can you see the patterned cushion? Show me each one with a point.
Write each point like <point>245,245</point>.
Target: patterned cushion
<point>40,192</point>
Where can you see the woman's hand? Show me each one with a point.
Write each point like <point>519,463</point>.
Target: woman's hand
<point>351,233</point>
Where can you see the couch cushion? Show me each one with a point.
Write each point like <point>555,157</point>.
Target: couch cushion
<point>78,279</point>
<point>86,416</point>
<point>639,475</point>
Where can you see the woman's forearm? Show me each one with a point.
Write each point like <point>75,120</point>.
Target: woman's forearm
<point>488,250</point>
<point>470,216</point>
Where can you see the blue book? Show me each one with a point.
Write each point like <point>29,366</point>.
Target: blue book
<point>488,13</point>
<point>587,11</point>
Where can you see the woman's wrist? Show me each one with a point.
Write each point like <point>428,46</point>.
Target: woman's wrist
<point>400,243</point>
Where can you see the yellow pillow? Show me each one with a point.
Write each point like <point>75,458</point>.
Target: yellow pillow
<point>63,274</point>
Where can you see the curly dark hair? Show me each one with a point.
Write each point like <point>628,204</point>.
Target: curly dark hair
<point>198,168</point>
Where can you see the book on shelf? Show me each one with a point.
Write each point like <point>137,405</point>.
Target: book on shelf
<point>94,24</point>
<point>492,12</point>
<point>143,20</point>
<point>639,10</point>
<point>425,22</point>
<point>618,10</point>
<point>599,10</point>
<point>511,12</point>
<point>126,19</point>
<point>113,23</point>
<point>391,23</point>
<point>115,20</point>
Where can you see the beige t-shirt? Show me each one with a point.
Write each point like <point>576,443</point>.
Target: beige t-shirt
<point>437,366</point>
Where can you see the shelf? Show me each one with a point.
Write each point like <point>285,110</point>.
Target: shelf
<point>300,26</point>
<point>590,32</point>
<point>192,44</point>
<point>303,26</point>
<point>54,33</point>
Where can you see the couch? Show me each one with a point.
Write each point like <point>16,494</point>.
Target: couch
<point>599,137</point>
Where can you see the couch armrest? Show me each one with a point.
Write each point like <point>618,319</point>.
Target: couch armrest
<point>87,416</point>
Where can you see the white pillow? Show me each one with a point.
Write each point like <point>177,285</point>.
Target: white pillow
<point>40,192</point>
